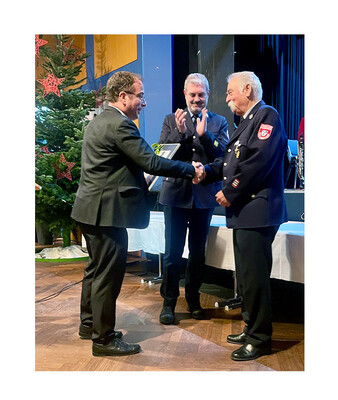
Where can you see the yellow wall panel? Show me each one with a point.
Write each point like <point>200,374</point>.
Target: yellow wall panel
<point>80,45</point>
<point>112,52</point>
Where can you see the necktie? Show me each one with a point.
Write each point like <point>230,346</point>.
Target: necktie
<point>240,121</point>
<point>194,118</point>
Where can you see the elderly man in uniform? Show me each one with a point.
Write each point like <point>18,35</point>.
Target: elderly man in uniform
<point>253,197</point>
<point>203,136</point>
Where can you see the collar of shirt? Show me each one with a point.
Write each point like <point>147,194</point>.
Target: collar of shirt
<point>118,110</point>
<point>248,112</point>
<point>199,115</point>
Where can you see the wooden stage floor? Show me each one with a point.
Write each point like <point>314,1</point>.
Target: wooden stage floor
<point>189,345</point>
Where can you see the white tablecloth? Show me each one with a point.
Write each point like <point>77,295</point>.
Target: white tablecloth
<point>288,246</point>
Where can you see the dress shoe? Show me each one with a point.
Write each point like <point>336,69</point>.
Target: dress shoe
<point>237,339</point>
<point>85,332</point>
<point>116,347</point>
<point>249,352</point>
<point>167,315</point>
<point>197,312</point>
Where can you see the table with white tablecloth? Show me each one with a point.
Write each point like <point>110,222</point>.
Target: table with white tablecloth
<point>287,248</point>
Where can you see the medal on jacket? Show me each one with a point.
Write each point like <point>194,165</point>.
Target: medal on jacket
<point>237,152</point>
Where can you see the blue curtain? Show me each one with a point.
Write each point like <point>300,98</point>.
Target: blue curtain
<point>287,93</point>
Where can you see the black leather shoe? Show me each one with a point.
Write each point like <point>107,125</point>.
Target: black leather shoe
<point>237,339</point>
<point>85,332</point>
<point>249,352</point>
<point>167,315</point>
<point>196,312</point>
<point>116,347</point>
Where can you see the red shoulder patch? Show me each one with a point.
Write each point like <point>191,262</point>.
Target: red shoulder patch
<point>264,131</point>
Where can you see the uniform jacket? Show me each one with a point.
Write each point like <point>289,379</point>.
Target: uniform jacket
<point>182,193</point>
<point>112,189</point>
<point>253,169</point>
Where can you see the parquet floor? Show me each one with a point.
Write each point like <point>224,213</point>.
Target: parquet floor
<point>189,345</point>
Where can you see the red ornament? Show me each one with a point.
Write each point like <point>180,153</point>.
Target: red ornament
<point>38,43</point>
<point>51,84</point>
<point>44,149</point>
<point>64,174</point>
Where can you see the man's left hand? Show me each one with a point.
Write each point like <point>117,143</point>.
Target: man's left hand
<point>222,200</point>
<point>201,124</point>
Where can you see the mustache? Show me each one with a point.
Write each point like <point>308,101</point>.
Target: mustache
<point>231,105</point>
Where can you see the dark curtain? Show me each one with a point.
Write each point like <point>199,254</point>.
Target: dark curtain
<point>287,52</point>
<point>185,61</point>
<point>278,61</point>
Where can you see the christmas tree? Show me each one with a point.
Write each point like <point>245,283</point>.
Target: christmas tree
<point>60,120</point>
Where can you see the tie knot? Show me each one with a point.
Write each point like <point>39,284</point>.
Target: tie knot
<point>194,118</point>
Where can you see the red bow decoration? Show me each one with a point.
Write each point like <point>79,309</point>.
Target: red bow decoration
<point>51,84</point>
<point>64,174</point>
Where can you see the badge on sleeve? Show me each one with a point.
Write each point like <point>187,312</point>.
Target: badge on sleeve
<point>235,183</point>
<point>264,131</point>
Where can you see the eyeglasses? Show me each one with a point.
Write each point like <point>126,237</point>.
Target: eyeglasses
<point>138,95</point>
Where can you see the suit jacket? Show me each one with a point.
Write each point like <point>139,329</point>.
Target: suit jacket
<point>112,189</point>
<point>182,193</point>
<point>253,169</point>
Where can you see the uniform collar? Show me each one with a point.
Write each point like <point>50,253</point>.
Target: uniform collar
<point>248,112</point>
<point>199,115</point>
<point>245,122</point>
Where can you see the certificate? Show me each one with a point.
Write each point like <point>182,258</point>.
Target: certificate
<point>167,150</point>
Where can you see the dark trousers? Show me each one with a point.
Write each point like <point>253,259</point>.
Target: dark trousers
<point>253,260</point>
<point>103,276</point>
<point>177,220</point>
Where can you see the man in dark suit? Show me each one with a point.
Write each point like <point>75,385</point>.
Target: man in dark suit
<point>203,136</point>
<point>112,196</point>
<point>253,197</point>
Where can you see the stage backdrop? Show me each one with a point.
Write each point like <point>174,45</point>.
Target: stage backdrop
<point>165,60</point>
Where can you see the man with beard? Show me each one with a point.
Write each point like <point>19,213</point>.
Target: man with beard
<point>203,136</point>
<point>253,197</point>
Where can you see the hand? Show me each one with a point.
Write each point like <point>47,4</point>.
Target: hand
<point>180,120</point>
<point>221,199</point>
<point>199,172</point>
<point>201,124</point>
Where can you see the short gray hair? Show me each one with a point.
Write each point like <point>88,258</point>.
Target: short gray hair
<point>196,79</point>
<point>247,77</point>
<point>120,81</point>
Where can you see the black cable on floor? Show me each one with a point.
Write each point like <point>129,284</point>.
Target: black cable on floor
<point>52,296</point>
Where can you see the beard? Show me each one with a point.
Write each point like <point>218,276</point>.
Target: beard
<point>196,106</point>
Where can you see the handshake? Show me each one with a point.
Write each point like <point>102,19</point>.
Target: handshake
<point>199,172</point>
<point>200,175</point>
